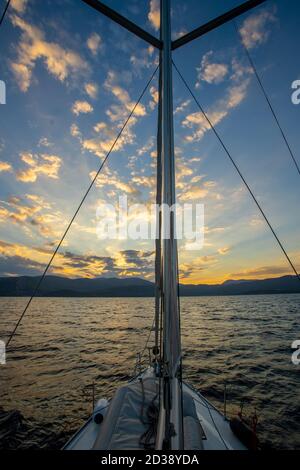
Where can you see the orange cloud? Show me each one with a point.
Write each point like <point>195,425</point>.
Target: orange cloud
<point>154,14</point>
<point>4,166</point>
<point>116,113</point>
<point>224,251</point>
<point>211,72</point>
<point>17,259</point>
<point>59,62</point>
<point>109,178</point>
<point>82,107</point>
<point>261,272</point>
<point>155,97</point>
<point>94,43</point>
<point>254,29</point>
<point>101,143</point>
<point>44,164</point>
<point>30,214</point>
<point>91,89</point>
<point>18,5</point>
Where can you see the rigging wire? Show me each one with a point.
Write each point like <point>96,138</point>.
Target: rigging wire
<point>4,12</point>
<point>79,207</point>
<point>148,338</point>
<point>210,409</point>
<point>238,171</point>
<point>206,404</point>
<point>217,429</point>
<point>268,100</point>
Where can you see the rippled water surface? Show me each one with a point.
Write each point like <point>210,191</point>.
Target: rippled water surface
<point>64,345</point>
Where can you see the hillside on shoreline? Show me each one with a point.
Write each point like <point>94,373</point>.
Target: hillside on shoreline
<point>55,286</point>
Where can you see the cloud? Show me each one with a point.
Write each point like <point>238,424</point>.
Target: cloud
<point>109,178</point>
<point>254,30</point>
<point>23,74</point>
<point>94,43</point>
<point>48,225</point>
<point>43,164</point>
<point>143,59</point>
<point>117,112</point>
<point>31,213</point>
<point>194,193</point>
<point>19,266</point>
<point>234,96</point>
<point>18,5</point>
<point>17,259</point>
<point>193,190</point>
<point>196,121</point>
<point>89,265</point>
<point>147,147</point>
<point>60,62</point>
<point>155,97</point>
<point>75,132</point>
<point>211,72</point>
<point>145,181</point>
<point>44,142</point>
<point>100,147</point>
<point>257,222</point>
<point>182,106</point>
<point>194,268</point>
<point>101,143</point>
<point>136,262</point>
<point>191,186</point>
<point>224,251</point>
<point>150,50</point>
<point>179,34</point>
<point>154,14</point>
<point>125,263</point>
<point>4,166</point>
<point>137,257</point>
<point>82,107</point>
<point>17,211</point>
<point>39,200</point>
<point>183,173</point>
<point>100,126</point>
<point>91,89</point>
<point>261,272</point>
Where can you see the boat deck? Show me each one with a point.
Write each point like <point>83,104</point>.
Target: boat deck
<point>126,419</point>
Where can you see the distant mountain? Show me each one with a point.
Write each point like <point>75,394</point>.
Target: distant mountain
<point>65,287</point>
<point>279,285</point>
<point>55,286</point>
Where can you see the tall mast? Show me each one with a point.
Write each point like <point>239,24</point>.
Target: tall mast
<point>170,427</point>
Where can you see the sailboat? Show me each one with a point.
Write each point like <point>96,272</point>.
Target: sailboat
<point>157,409</point>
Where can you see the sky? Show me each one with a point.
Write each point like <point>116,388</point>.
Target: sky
<point>72,77</point>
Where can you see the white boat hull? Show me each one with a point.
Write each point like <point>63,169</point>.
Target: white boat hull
<point>215,428</point>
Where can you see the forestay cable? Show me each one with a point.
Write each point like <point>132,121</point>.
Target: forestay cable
<point>4,12</point>
<point>78,208</point>
<point>238,170</point>
<point>266,96</point>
